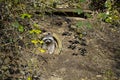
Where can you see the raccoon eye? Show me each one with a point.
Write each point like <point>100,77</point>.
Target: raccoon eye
<point>47,40</point>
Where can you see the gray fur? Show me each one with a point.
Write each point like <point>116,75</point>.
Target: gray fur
<point>49,43</point>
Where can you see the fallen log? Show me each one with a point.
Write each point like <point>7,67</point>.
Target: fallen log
<point>64,10</point>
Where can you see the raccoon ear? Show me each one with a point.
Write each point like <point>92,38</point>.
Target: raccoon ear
<point>49,33</point>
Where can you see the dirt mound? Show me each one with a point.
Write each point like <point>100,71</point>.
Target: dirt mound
<point>87,54</point>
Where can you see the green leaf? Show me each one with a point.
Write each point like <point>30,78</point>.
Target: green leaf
<point>16,1</point>
<point>108,20</point>
<point>15,24</point>
<point>29,78</point>
<point>79,11</point>
<point>35,25</point>
<point>42,50</point>
<point>88,25</point>
<point>102,16</point>
<point>35,31</point>
<point>108,4</point>
<point>34,41</point>
<point>82,0</point>
<point>21,28</point>
<point>18,26</point>
<point>41,41</point>
<point>25,15</point>
<point>88,15</point>
<point>82,24</point>
<point>79,24</point>
<point>1,0</point>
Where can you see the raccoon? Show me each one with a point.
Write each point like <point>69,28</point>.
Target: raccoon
<point>49,43</point>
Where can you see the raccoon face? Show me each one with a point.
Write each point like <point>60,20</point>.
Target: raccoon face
<point>48,41</point>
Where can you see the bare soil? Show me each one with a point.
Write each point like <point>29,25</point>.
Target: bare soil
<point>87,53</point>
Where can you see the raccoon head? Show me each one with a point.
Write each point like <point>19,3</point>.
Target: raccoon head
<point>48,39</point>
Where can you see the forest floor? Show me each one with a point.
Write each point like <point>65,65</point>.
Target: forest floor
<point>87,54</point>
<point>90,51</point>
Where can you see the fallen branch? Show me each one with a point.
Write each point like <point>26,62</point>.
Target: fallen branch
<point>64,10</point>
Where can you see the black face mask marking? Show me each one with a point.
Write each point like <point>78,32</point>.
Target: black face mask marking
<point>48,41</point>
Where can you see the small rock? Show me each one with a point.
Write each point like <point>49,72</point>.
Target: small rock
<point>84,33</point>
<point>83,51</point>
<point>66,34</point>
<point>7,60</point>
<point>74,54</point>
<point>71,27</point>
<point>98,76</point>
<point>67,20</point>
<point>11,71</point>
<point>22,72</point>
<point>35,78</point>
<point>72,47</point>
<point>75,42</point>
<point>55,78</point>
<point>17,71</point>
<point>83,44</point>
<point>70,41</point>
